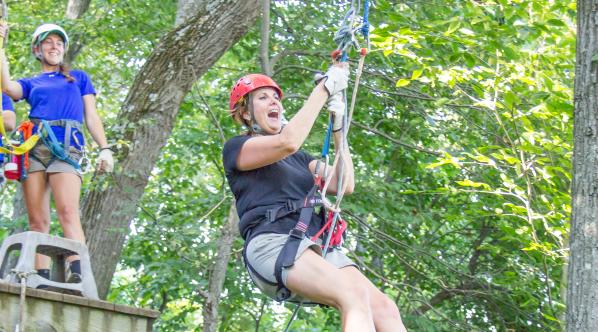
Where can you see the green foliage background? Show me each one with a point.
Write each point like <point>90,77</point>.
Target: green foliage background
<point>462,141</point>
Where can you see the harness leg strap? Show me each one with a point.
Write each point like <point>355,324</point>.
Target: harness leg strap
<point>67,137</point>
<point>286,258</point>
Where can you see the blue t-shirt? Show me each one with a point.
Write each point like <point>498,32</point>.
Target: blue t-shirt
<point>6,106</point>
<point>52,97</point>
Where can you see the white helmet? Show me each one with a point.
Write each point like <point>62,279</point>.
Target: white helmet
<point>43,31</point>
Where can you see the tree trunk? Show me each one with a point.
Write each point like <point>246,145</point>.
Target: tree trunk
<point>225,243</point>
<point>186,9</point>
<point>75,10</point>
<point>265,39</point>
<point>582,294</point>
<point>19,210</point>
<point>147,116</point>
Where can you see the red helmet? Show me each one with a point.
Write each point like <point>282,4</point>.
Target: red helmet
<point>249,83</point>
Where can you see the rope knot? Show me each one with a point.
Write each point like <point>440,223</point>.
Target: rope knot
<point>23,274</point>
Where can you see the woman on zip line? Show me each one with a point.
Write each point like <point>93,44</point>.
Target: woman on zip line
<point>61,101</point>
<point>270,175</point>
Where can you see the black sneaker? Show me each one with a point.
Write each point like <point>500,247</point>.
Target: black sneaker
<point>74,278</point>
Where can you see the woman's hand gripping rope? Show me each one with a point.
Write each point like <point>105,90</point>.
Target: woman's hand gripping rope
<point>337,79</point>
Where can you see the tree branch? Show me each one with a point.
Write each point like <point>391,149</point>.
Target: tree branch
<point>76,8</point>
<point>265,39</point>
<point>274,60</point>
<point>395,141</point>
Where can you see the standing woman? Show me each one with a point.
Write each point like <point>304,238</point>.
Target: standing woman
<point>268,173</point>
<point>61,101</point>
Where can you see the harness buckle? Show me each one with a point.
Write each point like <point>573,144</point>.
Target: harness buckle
<point>296,233</point>
<point>85,164</point>
<point>290,205</point>
<point>282,294</point>
<point>270,215</point>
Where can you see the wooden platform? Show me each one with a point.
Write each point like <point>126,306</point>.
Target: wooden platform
<point>50,311</point>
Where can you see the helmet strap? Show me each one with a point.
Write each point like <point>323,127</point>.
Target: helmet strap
<point>255,128</point>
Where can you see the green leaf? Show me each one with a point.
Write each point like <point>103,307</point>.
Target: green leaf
<point>511,99</point>
<point>452,27</point>
<point>469,183</point>
<point>402,82</point>
<point>469,60</point>
<point>555,22</point>
<point>416,74</point>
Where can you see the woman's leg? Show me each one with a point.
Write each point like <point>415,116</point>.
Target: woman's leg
<point>37,200</point>
<point>386,314</point>
<point>66,190</point>
<point>314,278</point>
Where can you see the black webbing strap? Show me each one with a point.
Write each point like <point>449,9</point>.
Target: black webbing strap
<point>259,220</point>
<point>286,258</point>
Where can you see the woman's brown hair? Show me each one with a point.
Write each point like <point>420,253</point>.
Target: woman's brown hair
<point>66,71</point>
<point>239,110</point>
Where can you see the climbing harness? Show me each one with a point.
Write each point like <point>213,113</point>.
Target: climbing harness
<point>286,258</point>
<point>305,208</point>
<point>19,148</point>
<point>60,150</point>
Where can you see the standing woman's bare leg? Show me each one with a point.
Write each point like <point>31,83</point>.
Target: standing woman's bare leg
<point>37,200</point>
<point>66,190</point>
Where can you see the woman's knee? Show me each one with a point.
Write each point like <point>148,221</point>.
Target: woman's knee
<point>67,214</point>
<point>39,224</point>
<point>354,294</point>
<point>383,306</point>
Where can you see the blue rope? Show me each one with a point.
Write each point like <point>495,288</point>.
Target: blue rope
<point>365,27</point>
<point>326,146</point>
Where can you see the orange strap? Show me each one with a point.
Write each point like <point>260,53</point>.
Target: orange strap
<point>26,129</point>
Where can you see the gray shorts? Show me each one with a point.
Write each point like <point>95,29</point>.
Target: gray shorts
<point>262,252</point>
<point>40,159</point>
